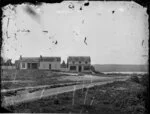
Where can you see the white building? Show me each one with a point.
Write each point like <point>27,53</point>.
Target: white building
<point>79,63</point>
<point>45,63</point>
<point>51,63</point>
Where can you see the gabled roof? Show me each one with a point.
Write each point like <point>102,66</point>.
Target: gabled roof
<point>38,59</point>
<point>51,59</point>
<point>79,58</point>
<point>29,59</point>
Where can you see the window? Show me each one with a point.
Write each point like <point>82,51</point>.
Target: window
<point>72,67</point>
<point>86,67</point>
<point>73,62</point>
<point>23,65</point>
<point>86,62</point>
<point>80,62</point>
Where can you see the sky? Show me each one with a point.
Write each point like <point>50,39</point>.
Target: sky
<point>108,32</point>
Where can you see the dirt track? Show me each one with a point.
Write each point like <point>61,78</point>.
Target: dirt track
<point>24,97</point>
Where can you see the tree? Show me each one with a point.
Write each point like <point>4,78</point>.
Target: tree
<point>8,62</point>
<point>63,63</point>
<point>93,70</point>
<point>2,61</point>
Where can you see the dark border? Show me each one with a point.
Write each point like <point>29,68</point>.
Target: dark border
<point>144,3</point>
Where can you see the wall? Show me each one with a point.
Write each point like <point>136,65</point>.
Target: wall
<point>77,67</point>
<point>73,70</point>
<point>54,65</point>
<point>85,70</point>
<point>77,62</point>
<point>8,67</point>
<point>64,69</point>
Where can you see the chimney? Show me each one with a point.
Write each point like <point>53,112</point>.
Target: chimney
<point>40,56</point>
<point>20,57</point>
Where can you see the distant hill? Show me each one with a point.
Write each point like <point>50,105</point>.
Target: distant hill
<point>120,68</point>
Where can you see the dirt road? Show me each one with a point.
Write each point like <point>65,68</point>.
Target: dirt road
<point>49,92</point>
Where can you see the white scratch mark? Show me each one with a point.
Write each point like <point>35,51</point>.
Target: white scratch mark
<point>57,93</point>
<point>92,100</point>
<point>73,95</point>
<point>15,76</point>
<point>86,95</point>
<point>91,79</point>
<point>81,111</point>
<point>82,86</point>
<point>42,93</point>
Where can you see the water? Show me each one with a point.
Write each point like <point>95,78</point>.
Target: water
<point>125,72</point>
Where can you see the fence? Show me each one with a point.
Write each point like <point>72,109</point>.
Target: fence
<point>8,67</point>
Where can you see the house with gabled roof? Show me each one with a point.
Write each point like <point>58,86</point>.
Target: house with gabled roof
<point>51,63</point>
<point>79,63</point>
<point>74,63</point>
<point>45,63</point>
<point>28,62</point>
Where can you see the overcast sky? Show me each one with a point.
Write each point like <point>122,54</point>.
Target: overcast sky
<point>108,32</point>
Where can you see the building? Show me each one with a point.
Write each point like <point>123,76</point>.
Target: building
<point>79,63</point>
<point>28,62</point>
<point>52,63</point>
<point>74,63</point>
<point>45,63</point>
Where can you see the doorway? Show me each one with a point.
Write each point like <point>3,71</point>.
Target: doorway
<point>50,66</point>
<point>32,65</point>
<point>80,68</point>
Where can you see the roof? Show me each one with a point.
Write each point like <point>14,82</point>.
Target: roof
<point>16,61</point>
<point>29,59</point>
<point>51,59</point>
<point>79,58</point>
<point>38,59</point>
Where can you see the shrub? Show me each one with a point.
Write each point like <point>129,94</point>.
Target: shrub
<point>65,97</point>
<point>106,102</point>
<point>56,101</point>
<point>145,80</point>
<point>145,94</point>
<point>87,108</point>
<point>96,72</point>
<point>135,79</point>
<point>132,100</point>
<point>139,109</point>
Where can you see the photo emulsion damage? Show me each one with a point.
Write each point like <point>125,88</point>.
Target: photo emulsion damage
<point>75,57</point>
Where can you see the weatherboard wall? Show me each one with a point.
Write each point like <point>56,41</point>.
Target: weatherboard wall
<point>49,65</point>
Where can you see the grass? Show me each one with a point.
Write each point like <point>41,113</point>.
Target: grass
<point>120,97</point>
<point>36,78</point>
<point>28,74</point>
<point>107,99</point>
